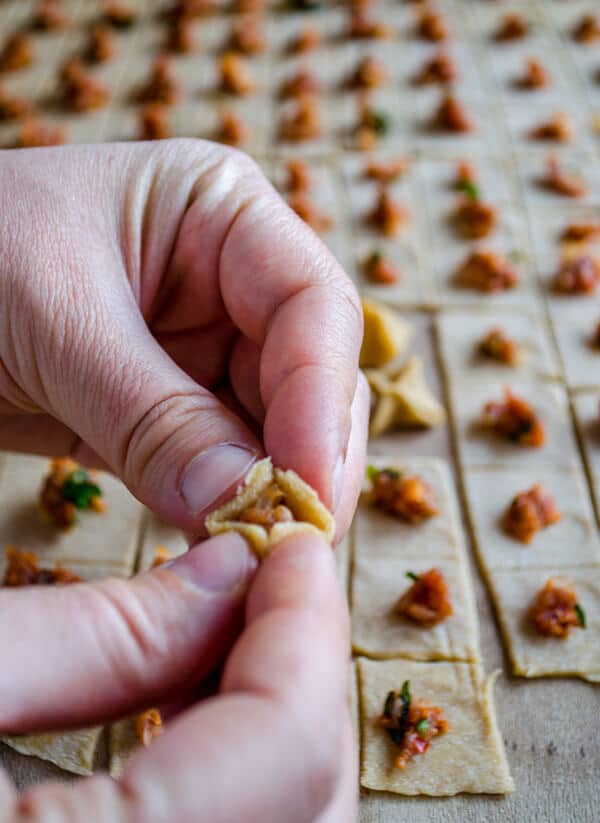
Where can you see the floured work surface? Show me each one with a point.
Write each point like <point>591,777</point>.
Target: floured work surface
<point>547,725</point>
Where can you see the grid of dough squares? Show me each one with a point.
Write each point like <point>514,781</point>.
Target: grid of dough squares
<point>530,217</point>
<point>443,662</point>
<point>494,471</point>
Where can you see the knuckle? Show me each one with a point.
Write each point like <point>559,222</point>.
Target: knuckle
<point>132,641</point>
<point>244,165</point>
<point>158,429</point>
<point>353,305</point>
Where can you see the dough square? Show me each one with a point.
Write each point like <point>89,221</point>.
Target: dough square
<point>449,254</point>
<point>484,18</point>
<point>525,114</point>
<point>531,166</point>
<point>158,533</point>
<point>532,655</point>
<point>393,103</point>
<point>547,226</point>
<point>108,540</point>
<point>507,65</point>
<point>430,141</point>
<point>413,286</point>
<point>570,542</point>
<point>72,751</point>
<point>330,111</point>
<point>284,26</point>
<point>468,758</point>
<point>362,198</point>
<point>324,193</point>
<point>438,177</point>
<point>574,322</point>
<point>480,448</point>
<point>460,333</point>
<point>376,532</point>
<point>377,631</point>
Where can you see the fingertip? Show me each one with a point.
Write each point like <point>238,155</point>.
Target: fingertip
<point>307,429</point>
<point>222,564</point>
<point>298,574</point>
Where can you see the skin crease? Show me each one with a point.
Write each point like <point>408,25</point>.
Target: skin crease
<point>147,295</point>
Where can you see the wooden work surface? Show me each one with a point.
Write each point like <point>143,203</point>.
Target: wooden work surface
<point>550,727</point>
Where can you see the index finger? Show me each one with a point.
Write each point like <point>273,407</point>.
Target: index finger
<point>286,292</point>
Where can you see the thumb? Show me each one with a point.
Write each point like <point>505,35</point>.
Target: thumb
<point>105,649</point>
<point>176,446</point>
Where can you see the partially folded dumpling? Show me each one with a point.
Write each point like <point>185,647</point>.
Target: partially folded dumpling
<point>270,505</point>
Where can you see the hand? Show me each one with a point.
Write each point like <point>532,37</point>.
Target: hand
<point>274,745</point>
<point>136,279</point>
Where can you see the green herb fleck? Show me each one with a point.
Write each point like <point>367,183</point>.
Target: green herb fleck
<point>405,694</point>
<point>381,122</point>
<point>422,725</point>
<point>79,489</point>
<point>393,474</point>
<point>389,704</point>
<point>516,255</point>
<point>372,473</point>
<point>580,615</point>
<point>375,256</point>
<point>397,728</point>
<point>469,188</point>
<point>412,575</point>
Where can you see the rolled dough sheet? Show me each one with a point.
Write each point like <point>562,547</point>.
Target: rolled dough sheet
<point>469,757</point>
<point>481,448</point>
<point>460,332</point>
<point>531,655</point>
<point>570,542</point>
<point>385,550</point>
